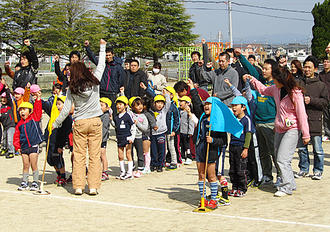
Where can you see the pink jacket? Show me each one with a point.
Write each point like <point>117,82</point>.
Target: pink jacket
<point>288,115</point>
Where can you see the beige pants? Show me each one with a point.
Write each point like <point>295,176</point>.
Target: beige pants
<point>87,133</point>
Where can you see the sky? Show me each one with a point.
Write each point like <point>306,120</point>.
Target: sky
<point>210,18</point>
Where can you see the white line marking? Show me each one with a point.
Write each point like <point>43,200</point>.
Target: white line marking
<point>166,210</point>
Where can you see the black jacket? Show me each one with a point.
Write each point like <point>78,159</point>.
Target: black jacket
<point>62,76</point>
<point>195,70</point>
<point>7,114</point>
<point>132,83</point>
<point>28,73</point>
<point>113,75</point>
<point>318,93</point>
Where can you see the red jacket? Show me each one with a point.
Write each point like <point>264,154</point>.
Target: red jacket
<point>28,132</point>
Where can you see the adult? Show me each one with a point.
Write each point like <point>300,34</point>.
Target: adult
<point>235,64</point>
<point>220,89</point>
<point>290,119</point>
<point>134,76</point>
<point>84,93</point>
<point>28,70</point>
<point>198,65</point>
<point>296,69</point>
<point>157,80</point>
<point>316,100</point>
<point>252,60</point>
<point>325,77</point>
<point>264,118</point>
<point>63,77</point>
<point>112,81</point>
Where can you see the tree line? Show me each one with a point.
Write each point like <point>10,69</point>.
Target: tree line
<point>134,28</point>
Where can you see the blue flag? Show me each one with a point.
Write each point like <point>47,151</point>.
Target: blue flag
<point>222,118</point>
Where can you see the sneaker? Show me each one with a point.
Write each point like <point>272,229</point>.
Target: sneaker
<point>17,153</point>
<point>250,183</point>
<point>61,182</point>
<point>128,177</point>
<point>300,174</point>
<point>278,181</point>
<point>267,180</point>
<point>137,174</point>
<point>105,176</point>
<point>205,203</point>
<point>57,179</point>
<point>317,176</point>
<point>232,192</point>
<point>172,167</point>
<point>188,161</point>
<point>152,168</point>
<point>34,186</point>
<point>280,194</point>
<point>213,204</point>
<point>121,176</point>
<point>69,180</point>
<point>160,169</point>
<point>239,193</point>
<point>24,186</point>
<point>223,182</point>
<point>3,151</point>
<point>78,191</point>
<point>325,139</point>
<point>146,171</point>
<point>10,155</point>
<point>167,164</point>
<point>92,192</point>
<point>223,201</point>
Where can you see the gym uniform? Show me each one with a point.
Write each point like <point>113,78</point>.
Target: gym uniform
<point>123,124</point>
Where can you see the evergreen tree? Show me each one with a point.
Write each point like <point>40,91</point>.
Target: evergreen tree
<point>321,28</point>
<point>148,28</point>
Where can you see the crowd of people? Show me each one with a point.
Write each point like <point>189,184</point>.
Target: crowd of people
<point>279,107</point>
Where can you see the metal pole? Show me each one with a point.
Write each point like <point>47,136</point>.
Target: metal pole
<point>230,24</point>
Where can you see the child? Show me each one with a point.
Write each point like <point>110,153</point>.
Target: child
<point>215,140</point>
<point>20,95</point>
<point>147,103</point>
<point>56,141</point>
<point>187,127</point>
<point>173,124</point>
<point>34,89</point>
<point>125,133</point>
<point>162,106</point>
<point>105,118</point>
<point>239,147</point>
<point>254,175</point>
<point>8,124</point>
<point>141,123</point>
<point>27,138</point>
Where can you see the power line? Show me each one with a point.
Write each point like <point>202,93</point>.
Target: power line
<point>271,8</point>
<point>249,12</point>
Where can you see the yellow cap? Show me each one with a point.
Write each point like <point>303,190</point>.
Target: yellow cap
<point>62,98</point>
<point>159,98</point>
<point>170,89</point>
<point>131,100</point>
<point>106,101</point>
<point>185,98</point>
<point>122,99</point>
<point>26,105</point>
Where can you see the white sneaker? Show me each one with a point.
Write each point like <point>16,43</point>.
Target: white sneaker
<point>92,192</point>
<point>280,194</point>
<point>325,139</point>
<point>188,161</point>
<point>128,177</point>
<point>78,191</point>
<point>121,176</point>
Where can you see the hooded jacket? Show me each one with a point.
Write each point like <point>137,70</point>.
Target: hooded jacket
<point>113,75</point>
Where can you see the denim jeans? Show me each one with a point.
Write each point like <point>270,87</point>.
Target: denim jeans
<point>318,155</point>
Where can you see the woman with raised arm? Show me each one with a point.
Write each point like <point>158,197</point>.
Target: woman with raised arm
<point>84,94</point>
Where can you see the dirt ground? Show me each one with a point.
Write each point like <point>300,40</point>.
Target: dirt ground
<point>158,202</point>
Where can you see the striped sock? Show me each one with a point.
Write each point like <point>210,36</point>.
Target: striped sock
<point>200,186</point>
<point>214,190</point>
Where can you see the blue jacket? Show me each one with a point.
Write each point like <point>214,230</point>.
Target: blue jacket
<point>113,76</point>
<point>28,132</point>
<point>173,119</point>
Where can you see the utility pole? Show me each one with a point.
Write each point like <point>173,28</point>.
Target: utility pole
<point>230,24</point>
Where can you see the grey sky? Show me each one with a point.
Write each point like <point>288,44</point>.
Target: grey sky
<point>252,27</point>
